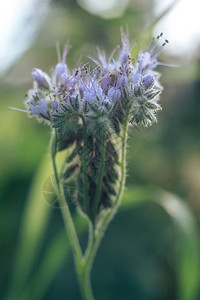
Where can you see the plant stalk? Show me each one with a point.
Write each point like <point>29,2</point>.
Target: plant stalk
<point>80,265</point>
<point>110,213</point>
<point>100,177</point>
<point>84,263</point>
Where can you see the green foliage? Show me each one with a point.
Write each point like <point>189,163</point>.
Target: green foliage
<point>188,256</point>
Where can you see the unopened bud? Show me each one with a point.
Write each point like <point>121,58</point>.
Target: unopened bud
<point>41,78</point>
<point>148,81</point>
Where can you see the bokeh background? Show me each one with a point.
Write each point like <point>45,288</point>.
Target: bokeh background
<point>138,256</point>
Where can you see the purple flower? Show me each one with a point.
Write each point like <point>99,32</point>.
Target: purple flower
<point>42,79</point>
<point>40,109</point>
<point>91,88</point>
<point>148,59</point>
<point>136,78</point>
<point>55,105</point>
<point>114,94</point>
<point>125,50</point>
<point>61,67</point>
<point>68,82</point>
<point>60,70</point>
<point>93,93</point>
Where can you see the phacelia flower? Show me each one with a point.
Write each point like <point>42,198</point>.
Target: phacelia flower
<point>90,105</point>
<point>61,67</point>
<point>40,109</point>
<point>119,82</point>
<point>148,59</point>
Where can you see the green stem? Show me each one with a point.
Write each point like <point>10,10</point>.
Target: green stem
<point>84,264</point>
<point>71,231</point>
<point>98,235</point>
<point>85,179</point>
<point>84,158</point>
<point>85,285</point>
<point>80,265</point>
<point>100,177</point>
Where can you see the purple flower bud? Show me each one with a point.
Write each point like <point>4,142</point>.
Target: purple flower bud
<point>68,81</point>
<point>40,109</point>
<point>81,91</point>
<point>114,94</point>
<point>93,93</point>
<point>144,61</point>
<point>99,93</point>
<point>41,78</point>
<point>124,53</point>
<point>60,69</point>
<point>122,80</point>
<point>124,57</point>
<point>88,96</point>
<point>136,77</point>
<point>148,81</point>
<point>55,105</point>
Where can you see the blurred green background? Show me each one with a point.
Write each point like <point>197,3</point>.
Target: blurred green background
<point>138,256</point>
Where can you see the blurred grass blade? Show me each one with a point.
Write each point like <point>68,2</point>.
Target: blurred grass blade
<point>188,258</point>
<point>55,256</point>
<point>52,262</point>
<point>33,226</point>
<point>189,252</point>
<point>188,273</point>
<point>58,252</point>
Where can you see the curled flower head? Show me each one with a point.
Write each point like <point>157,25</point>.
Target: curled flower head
<point>119,82</point>
<point>90,106</point>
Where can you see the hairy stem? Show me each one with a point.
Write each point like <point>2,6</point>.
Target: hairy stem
<point>84,282</point>
<point>108,216</point>
<point>100,177</point>
<point>71,231</point>
<point>84,159</point>
<point>85,179</point>
<point>80,264</point>
<point>84,263</point>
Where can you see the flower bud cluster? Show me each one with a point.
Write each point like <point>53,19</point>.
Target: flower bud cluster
<point>102,87</point>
